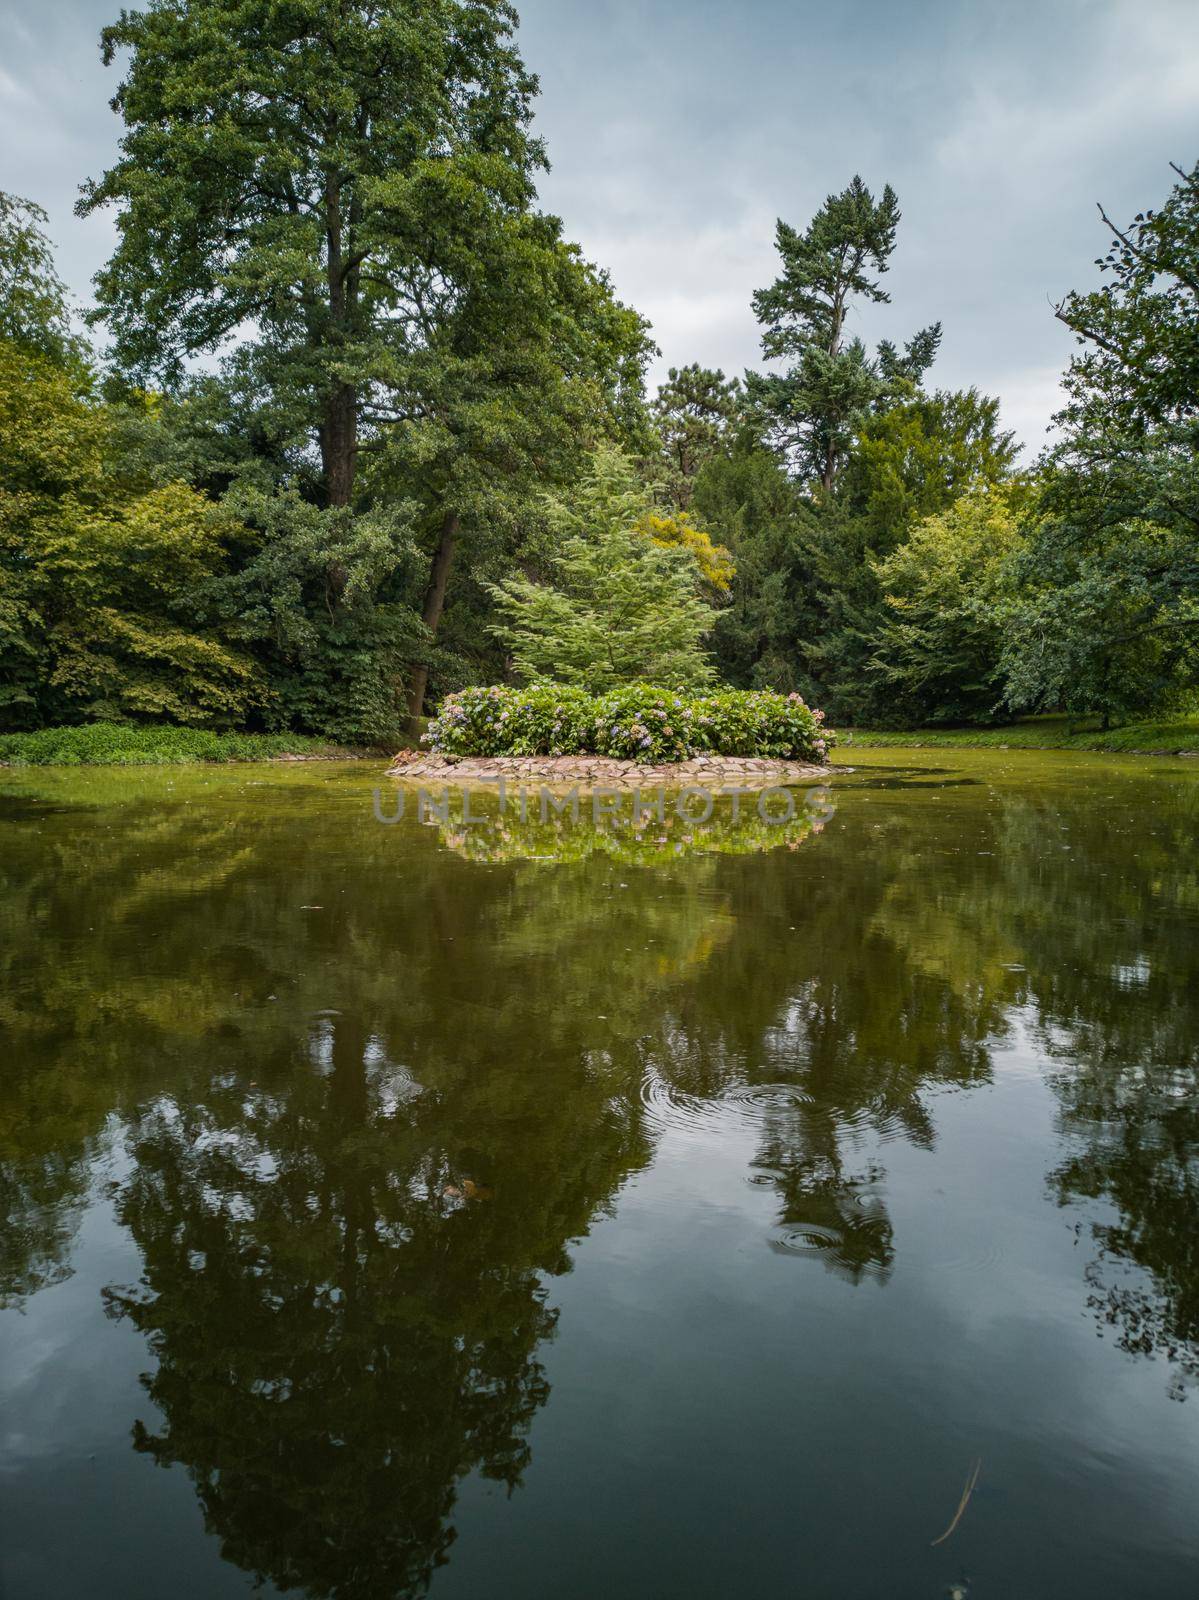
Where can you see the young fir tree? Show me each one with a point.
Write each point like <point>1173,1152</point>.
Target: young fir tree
<point>619,606</point>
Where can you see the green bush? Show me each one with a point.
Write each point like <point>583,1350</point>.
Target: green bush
<point>635,723</point>
<point>544,719</point>
<point>128,745</point>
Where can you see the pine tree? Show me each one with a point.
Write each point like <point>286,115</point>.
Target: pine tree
<point>812,410</point>
<point>695,412</point>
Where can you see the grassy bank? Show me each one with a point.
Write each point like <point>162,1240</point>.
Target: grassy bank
<point>1175,735</point>
<point>118,744</point>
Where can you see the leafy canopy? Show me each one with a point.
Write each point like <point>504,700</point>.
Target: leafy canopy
<point>34,313</point>
<point>938,648</point>
<point>695,413</point>
<point>347,186</point>
<point>1109,614</point>
<point>106,608</point>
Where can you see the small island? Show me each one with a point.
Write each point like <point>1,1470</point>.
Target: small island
<point>634,737</point>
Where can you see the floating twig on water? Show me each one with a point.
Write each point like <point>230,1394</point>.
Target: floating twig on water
<point>963,1502</point>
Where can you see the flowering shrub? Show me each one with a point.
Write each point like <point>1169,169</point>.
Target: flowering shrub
<point>546,719</point>
<point>635,723</point>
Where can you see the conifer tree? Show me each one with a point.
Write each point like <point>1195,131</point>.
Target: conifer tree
<point>619,606</point>
<point>812,410</point>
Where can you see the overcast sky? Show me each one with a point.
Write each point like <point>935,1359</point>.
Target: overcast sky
<point>678,131</point>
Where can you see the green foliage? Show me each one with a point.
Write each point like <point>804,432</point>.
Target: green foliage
<point>1139,367</point>
<point>938,650</point>
<point>413,463</point>
<point>541,719</point>
<point>761,722</point>
<point>342,194</point>
<point>120,744</point>
<point>876,453</point>
<point>618,606</point>
<point>104,608</point>
<point>33,298</point>
<point>637,722</point>
<point>1097,624</point>
<point>349,188</point>
<point>814,409</point>
<point>311,170</point>
<point>1108,619</point>
<point>695,413</point>
<point>914,459</point>
<point>319,597</point>
<point>916,455</point>
<point>753,507</point>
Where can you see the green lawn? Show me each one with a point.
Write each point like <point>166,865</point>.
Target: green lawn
<point>119,744</point>
<point>1167,735</point>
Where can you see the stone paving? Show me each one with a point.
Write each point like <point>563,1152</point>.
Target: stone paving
<point>601,772</point>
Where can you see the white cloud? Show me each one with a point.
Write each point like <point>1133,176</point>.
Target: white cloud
<point>680,130</point>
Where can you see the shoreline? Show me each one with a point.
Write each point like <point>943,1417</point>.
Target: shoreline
<point>1164,734</point>
<point>604,772</point>
<point>197,761</point>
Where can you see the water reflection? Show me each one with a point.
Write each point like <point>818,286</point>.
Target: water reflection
<point>370,1096</point>
<point>344,1293</point>
<point>656,829</point>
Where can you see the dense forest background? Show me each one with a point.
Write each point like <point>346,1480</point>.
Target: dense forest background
<point>361,426</point>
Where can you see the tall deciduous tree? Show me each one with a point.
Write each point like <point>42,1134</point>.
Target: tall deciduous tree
<point>911,460</point>
<point>1109,620</point>
<point>813,409</point>
<point>346,187</point>
<point>34,314</point>
<point>939,644</point>
<point>915,457</point>
<point>301,173</point>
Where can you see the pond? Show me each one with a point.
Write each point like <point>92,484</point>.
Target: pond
<point>809,1209</point>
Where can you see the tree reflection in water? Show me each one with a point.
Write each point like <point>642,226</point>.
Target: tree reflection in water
<point>373,1084</point>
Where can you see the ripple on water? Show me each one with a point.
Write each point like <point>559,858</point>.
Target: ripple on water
<point>858,1248</point>
<point>807,1240</point>
<point>669,1108</point>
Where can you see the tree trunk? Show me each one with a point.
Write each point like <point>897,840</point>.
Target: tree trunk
<point>339,430</point>
<point>339,439</point>
<point>434,605</point>
<point>829,474</point>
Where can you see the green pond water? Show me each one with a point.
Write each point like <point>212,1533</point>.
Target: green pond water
<point>546,1210</point>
